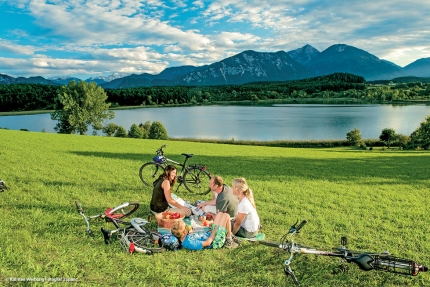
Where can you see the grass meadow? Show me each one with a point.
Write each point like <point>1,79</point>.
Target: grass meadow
<point>379,199</point>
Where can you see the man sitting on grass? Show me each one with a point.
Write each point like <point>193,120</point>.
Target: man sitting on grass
<point>223,198</point>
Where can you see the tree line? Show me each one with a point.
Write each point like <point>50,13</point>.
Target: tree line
<point>418,139</point>
<point>28,97</point>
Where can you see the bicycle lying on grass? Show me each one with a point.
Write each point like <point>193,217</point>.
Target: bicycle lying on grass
<point>3,186</point>
<point>134,236</point>
<point>194,177</point>
<point>365,260</point>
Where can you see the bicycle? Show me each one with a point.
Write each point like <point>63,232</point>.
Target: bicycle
<point>3,186</point>
<point>365,260</point>
<point>134,236</point>
<point>194,177</point>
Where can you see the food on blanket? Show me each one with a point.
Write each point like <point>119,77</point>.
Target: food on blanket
<point>209,216</point>
<point>202,218</point>
<point>170,215</point>
<point>205,223</point>
<point>189,228</point>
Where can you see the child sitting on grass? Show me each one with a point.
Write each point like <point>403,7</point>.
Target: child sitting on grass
<point>217,237</point>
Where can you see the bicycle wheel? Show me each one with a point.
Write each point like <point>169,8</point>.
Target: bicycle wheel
<point>149,172</point>
<point>397,265</point>
<point>196,180</point>
<point>122,210</point>
<point>144,241</point>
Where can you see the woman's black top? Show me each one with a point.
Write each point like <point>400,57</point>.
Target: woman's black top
<point>158,201</point>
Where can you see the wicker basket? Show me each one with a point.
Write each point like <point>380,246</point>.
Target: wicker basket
<point>167,223</point>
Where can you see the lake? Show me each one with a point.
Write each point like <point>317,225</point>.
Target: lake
<point>276,122</point>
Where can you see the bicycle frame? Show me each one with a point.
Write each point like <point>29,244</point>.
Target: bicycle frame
<point>183,166</point>
<point>135,226</point>
<point>109,215</point>
<point>365,260</point>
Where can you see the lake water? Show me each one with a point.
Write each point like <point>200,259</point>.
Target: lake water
<point>276,122</point>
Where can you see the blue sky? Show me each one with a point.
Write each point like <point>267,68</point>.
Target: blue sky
<point>90,38</point>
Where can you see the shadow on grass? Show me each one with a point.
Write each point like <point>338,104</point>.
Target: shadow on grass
<point>394,169</point>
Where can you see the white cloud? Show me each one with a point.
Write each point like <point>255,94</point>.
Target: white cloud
<point>198,4</point>
<point>234,40</point>
<point>147,36</point>
<point>10,47</point>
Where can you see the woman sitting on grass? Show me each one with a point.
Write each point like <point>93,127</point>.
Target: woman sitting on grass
<point>247,223</point>
<point>162,195</point>
<point>217,237</point>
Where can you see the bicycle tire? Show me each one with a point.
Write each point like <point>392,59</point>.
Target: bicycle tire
<point>121,211</point>
<point>196,180</point>
<point>149,172</point>
<point>145,241</point>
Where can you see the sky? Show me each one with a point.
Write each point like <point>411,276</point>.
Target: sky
<point>92,38</point>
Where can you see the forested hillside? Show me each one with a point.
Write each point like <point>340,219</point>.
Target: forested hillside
<point>28,97</point>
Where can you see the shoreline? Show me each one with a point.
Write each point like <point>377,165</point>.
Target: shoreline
<point>339,101</point>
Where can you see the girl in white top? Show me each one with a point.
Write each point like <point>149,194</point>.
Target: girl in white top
<point>247,222</point>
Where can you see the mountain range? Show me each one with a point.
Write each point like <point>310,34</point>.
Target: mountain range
<point>251,66</point>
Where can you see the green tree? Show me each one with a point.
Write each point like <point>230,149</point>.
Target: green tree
<point>402,140</point>
<point>79,105</point>
<point>354,137</point>
<point>388,136</point>
<point>421,136</point>
<point>120,132</point>
<point>145,129</point>
<point>135,132</point>
<point>158,131</point>
<point>110,129</point>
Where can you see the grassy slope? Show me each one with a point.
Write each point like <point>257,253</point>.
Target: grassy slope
<point>379,199</point>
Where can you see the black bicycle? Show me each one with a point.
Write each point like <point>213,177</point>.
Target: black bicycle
<point>365,260</point>
<point>133,235</point>
<point>194,177</point>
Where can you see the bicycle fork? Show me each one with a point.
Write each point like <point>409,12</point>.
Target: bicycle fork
<point>289,272</point>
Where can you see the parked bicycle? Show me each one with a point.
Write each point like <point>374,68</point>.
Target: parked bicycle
<point>133,235</point>
<point>194,177</point>
<point>365,260</point>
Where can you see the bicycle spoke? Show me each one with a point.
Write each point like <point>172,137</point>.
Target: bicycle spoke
<point>149,172</point>
<point>196,180</point>
<point>144,241</point>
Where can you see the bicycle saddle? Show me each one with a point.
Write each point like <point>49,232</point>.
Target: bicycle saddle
<point>137,222</point>
<point>363,261</point>
<point>187,155</point>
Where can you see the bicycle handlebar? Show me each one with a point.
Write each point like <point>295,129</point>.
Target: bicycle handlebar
<point>294,229</point>
<point>160,150</point>
<point>79,207</point>
<point>301,225</point>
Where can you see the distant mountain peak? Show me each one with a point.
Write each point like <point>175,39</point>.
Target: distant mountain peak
<point>304,54</point>
<point>418,68</point>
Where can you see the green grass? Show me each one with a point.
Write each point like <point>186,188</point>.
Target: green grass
<point>379,199</point>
